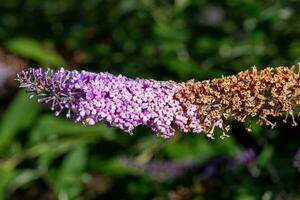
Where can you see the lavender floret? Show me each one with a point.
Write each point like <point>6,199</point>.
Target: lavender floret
<point>116,100</point>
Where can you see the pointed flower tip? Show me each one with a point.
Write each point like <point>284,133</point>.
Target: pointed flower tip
<point>166,106</point>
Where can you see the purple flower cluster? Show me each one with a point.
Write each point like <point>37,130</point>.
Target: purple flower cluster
<point>245,158</point>
<point>116,100</point>
<point>167,106</point>
<point>56,88</point>
<point>127,103</point>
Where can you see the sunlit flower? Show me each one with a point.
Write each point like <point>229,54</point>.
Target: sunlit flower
<point>166,106</point>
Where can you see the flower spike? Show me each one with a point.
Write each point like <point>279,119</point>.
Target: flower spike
<point>167,106</point>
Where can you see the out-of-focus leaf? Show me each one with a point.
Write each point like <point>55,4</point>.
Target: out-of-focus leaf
<point>68,181</point>
<point>49,127</point>
<point>265,156</point>
<point>6,174</point>
<point>113,167</point>
<point>183,68</point>
<point>245,197</point>
<point>19,115</point>
<point>23,177</point>
<point>199,147</point>
<point>47,150</point>
<point>32,49</point>
<point>167,30</point>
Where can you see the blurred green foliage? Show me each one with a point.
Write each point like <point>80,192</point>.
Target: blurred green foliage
<point>44,157</point>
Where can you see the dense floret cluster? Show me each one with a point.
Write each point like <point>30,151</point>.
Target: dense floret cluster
<point>166,106</point>
<point>116,100</point>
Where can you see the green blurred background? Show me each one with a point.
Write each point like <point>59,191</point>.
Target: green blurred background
<point>47,157</point>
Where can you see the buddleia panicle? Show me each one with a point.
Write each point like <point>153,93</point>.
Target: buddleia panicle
<point>167,106</point>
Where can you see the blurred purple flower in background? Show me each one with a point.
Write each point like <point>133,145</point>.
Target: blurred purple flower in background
<point>162,170</point>
<point>296,162</point>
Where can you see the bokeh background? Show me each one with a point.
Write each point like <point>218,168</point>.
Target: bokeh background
<point>47,157</point>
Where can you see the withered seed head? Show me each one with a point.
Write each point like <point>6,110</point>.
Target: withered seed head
<point>269,92</point>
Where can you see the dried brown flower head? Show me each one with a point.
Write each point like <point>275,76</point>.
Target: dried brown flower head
<point>269,92</point>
